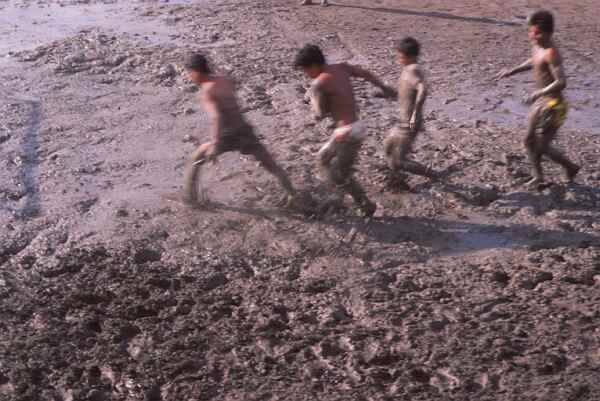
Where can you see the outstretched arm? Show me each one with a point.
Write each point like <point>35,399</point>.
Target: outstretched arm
<point>526,66</point>
<point>359,72</point>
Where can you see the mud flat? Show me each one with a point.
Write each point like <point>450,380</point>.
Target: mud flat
<point>470,289</point>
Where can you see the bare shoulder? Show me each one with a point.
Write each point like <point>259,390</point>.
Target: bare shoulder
<point>323,80</point>
<point>209,87</point>
<point>417,71</point>
<point>413,74</point>
<point>229,81</point>
<point>552,56</point>
<point>223,87</point>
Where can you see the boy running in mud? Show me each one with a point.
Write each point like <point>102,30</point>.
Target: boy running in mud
<point>229,131</point>
<point>549,108</point>
<point>331,94</point>
<point>412,92</point>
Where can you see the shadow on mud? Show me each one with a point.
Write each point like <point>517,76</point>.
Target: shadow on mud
<point>433,14</point>
<point>442,236</point>
<point>451,237</point>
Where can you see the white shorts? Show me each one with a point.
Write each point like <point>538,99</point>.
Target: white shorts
<point>353,133</point>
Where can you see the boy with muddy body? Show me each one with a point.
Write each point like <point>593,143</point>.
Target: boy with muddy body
<point>331,95</point>
<point>229,130</point>
<point>548,106</point>
<point>412,92</point>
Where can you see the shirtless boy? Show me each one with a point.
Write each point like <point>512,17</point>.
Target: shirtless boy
<point>331,94</point>
<point>549,108</point>
<point>412,91</point>
<point>229,130</point>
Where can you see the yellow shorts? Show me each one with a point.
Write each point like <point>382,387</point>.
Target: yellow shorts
<point>553,113</point>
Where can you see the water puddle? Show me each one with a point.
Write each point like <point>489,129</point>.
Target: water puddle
<point>23,28</point>
<point>501,105</point>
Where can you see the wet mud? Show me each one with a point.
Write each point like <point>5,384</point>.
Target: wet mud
<point>471,288</point>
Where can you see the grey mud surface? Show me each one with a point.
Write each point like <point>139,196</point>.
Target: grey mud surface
<point>470,289</point>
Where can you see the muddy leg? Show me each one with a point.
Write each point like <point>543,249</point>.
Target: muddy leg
<point>397,148</point>
<point>324,159</point>
<point>546,148</point>
<point>534,146</point>
<point>205,152</point>
<point>263,156</point>
<point>342,174</point>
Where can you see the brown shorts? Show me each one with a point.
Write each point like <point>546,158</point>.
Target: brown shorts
<point>240,139</point>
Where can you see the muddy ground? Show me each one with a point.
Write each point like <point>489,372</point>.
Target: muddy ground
<point>471,289</point>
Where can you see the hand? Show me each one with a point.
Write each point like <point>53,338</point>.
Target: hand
<point>530,99</point>
<point>505,72</point>
<point>412,124</point>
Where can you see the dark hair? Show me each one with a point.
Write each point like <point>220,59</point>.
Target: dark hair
<point>309,55</point>
<point>409,47</point>
<point>197,62</point>
<point>542,19</point>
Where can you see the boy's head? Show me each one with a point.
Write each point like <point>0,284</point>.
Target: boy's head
<point>197,68</point>
<point>541,26</point>
<point>407,51</point>
<point>310,60</point>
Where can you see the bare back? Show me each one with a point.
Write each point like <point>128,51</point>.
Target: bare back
<point>335,87</point>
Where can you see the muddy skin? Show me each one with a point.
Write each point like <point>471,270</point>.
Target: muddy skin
<point>472,289</point>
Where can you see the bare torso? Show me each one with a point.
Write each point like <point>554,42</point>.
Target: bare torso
<point>338,93</point>
<point>219,100</point>
<point>541,70</point>
<point>407,91</point>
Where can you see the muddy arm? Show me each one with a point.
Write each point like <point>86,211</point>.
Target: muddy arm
<point>421,88</point>
<point>359,72</point>
<point>558,73</point>
<point>526,66</point>
<point>317,99</point>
